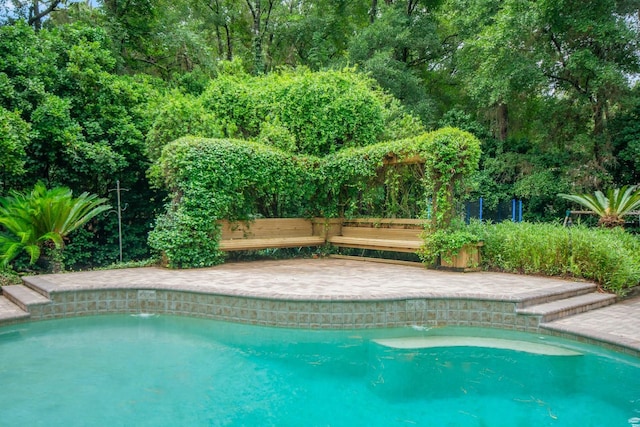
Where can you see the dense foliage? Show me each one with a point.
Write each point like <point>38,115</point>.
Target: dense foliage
<point>608,257</point>
<point>71,120</point>
<point>91,93</point>
<point>298,111</point>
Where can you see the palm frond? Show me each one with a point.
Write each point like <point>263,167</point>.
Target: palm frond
<point>84,208</point>
<point>42,216</point>
<point>589,201</point>
<point>627,199</point>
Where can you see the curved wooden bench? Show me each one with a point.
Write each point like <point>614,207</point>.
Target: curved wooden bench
<point>382,234</point>
<point>265,233</point>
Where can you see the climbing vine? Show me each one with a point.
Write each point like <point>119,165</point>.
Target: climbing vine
<point>452,156</point>
<point>211,179</point>
<point>450,162</point>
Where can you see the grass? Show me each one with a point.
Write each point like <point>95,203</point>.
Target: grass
<point>9,277</point>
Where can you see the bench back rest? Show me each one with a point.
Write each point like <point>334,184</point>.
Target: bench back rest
<point>265,228</point>
<point>386,222</point>
<point>383,228</point>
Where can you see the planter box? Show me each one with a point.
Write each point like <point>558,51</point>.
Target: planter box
<point>468,259</point>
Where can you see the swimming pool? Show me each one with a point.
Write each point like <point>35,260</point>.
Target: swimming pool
<point>169,370</point>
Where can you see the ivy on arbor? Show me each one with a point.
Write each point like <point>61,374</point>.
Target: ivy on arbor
<point>211,179</point>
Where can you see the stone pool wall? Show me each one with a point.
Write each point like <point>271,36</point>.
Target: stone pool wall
<point>332,314</point>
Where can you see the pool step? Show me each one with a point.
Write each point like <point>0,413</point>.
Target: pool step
<point>37,283</point>
<point>10,312</point>
<point>572,289</point>
<point>554,310</point>
<point>23,296</point>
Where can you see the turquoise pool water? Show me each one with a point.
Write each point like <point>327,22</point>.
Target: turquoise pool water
<point>169,371</point>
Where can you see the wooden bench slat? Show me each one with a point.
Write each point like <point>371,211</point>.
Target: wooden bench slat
<point>376,244</point>
<point>381,233</point>
<point>266,228</point>
<point>282,242</point>
<point>385,222</point>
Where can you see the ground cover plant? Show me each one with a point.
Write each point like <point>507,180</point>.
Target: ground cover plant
<point>610,257</point>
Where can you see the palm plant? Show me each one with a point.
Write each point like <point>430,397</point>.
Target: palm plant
<point>42,219</point>
<point>611,207</point>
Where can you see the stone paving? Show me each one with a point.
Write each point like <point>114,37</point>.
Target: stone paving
<point>616,324</point>
<point>315,279</point>
<point>348,280</point>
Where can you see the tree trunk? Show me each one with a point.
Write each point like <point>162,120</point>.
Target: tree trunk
<point>35,19</point>
<point>229,43</point>
<point>256,12</point>
<point>502,121</point>
<point>35,15</point>
<point>373,12</point>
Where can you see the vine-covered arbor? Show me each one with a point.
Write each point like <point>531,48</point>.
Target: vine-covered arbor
<point>213,179</point>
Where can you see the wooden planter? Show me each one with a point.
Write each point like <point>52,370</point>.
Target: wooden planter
<point>468,259</point>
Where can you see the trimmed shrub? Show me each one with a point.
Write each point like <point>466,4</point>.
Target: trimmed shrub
<point>322,111</point>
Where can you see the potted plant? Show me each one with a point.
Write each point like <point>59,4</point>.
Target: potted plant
<point>455,248</point>
<point>451,158</point>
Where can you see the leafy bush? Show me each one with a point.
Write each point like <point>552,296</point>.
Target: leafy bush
<point>186,240</point>
<point>322,111</point>
<point>330,110</point>
<point>14,137</point>
<point>446,243</point>
<point>609,257</point>
<point>180,115</point>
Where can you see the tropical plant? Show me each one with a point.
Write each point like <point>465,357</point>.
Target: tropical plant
<point>611,207</point>
<point>43,219</point>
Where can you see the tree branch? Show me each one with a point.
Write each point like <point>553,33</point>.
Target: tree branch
<point>32,20</point>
